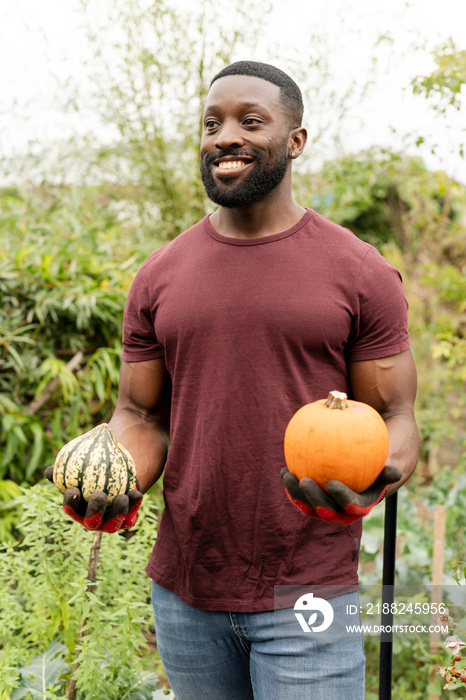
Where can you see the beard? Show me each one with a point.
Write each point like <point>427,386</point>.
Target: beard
<point>263,178</point>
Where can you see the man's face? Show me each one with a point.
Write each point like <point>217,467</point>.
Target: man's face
<point>244,146</point>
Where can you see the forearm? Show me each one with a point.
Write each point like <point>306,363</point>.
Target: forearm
<point>146,439</point>
<point>404,446</point>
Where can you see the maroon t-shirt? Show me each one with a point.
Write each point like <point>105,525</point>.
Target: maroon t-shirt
<point>251,330</point>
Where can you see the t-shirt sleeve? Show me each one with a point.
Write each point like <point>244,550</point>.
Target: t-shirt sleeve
<point>381,328</point>
<point>139,339</point>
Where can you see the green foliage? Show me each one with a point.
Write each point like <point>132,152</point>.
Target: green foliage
<point>413,664</point>
<point>360,192</point>
<point>387,198</point>
<point>9,491</point>
<point>67,259</point>
<point>444,88</point>
<point>445,84</point>
<point>44,597</point>
<point>39,678</point>
<point>416,505</point>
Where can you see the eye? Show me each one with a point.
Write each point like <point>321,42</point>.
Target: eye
<point>252,121</point>
<point>210,124</point>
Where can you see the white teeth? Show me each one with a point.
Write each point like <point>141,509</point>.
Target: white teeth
<point>230,164</point>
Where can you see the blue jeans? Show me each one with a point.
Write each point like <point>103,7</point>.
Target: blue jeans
<point>238,656</point>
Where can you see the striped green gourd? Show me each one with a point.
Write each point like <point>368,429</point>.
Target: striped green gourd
<point>95,461</point>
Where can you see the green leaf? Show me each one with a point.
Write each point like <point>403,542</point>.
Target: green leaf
<point>43,671</point>
<point>16,357</point>
<point>37,449</point>
<point>143,689</point>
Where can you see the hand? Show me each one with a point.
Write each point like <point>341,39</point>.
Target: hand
<point>95,515</point>
<point>340,505</point>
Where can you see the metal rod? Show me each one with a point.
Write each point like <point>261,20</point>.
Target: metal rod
<point>388,596</point>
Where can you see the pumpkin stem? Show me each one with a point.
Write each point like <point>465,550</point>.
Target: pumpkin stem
<point>337,399</point>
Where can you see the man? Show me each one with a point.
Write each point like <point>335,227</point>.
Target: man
<point>253,312</point>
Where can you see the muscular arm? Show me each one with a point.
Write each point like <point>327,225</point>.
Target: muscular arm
<point>141,418</point>
<point>389,385</point>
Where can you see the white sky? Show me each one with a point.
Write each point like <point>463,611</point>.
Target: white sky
<point>40,40</point>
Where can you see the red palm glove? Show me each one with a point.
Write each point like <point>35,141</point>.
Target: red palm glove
<point>340,505</point>
<point>95,515</point>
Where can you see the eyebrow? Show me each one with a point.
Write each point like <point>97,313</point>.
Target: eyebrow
<point>249,105</point>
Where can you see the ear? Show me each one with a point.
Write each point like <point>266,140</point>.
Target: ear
<point>297,142</point>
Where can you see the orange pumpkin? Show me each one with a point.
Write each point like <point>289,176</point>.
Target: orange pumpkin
<point>336,438</point>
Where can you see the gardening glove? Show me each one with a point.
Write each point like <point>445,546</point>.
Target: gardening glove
<point>95,515</point>
<point>340,505</point>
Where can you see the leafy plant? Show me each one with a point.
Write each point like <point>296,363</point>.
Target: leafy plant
<point>40,678</point>
<point>446,82</point>
<point>66,263</point>
<point>455,672</point>
<point>45,596</point>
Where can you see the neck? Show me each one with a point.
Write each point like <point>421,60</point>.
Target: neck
<point>264,218</point>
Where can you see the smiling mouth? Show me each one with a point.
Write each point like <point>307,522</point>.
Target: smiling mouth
<point>231,164</point>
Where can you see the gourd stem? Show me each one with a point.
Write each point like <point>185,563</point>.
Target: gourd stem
<point>91,577</point>
<point>337,399</point>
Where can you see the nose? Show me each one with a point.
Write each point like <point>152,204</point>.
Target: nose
<point>229,135</point>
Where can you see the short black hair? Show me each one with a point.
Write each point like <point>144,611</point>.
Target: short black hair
<point>290,94</point>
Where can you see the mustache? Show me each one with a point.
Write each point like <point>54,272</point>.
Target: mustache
<point>235,153</point>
